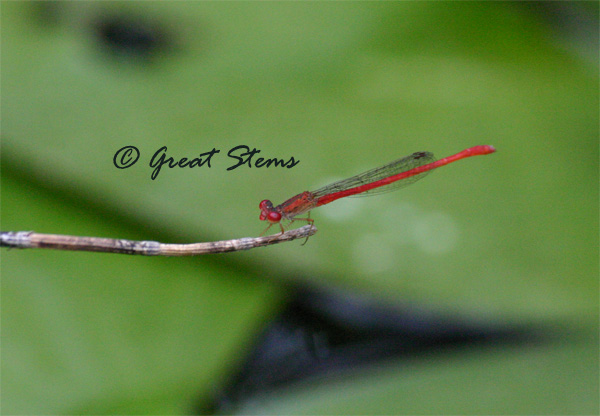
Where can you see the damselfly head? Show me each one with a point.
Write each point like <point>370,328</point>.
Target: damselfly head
<point>268,213</point>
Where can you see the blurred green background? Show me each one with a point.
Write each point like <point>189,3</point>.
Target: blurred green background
<point>342,87</point>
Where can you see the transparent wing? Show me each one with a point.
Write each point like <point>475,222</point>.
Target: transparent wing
<point>393,168</point>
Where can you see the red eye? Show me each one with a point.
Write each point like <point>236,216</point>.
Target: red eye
<point>265,204</point>
<point>274,217</point>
